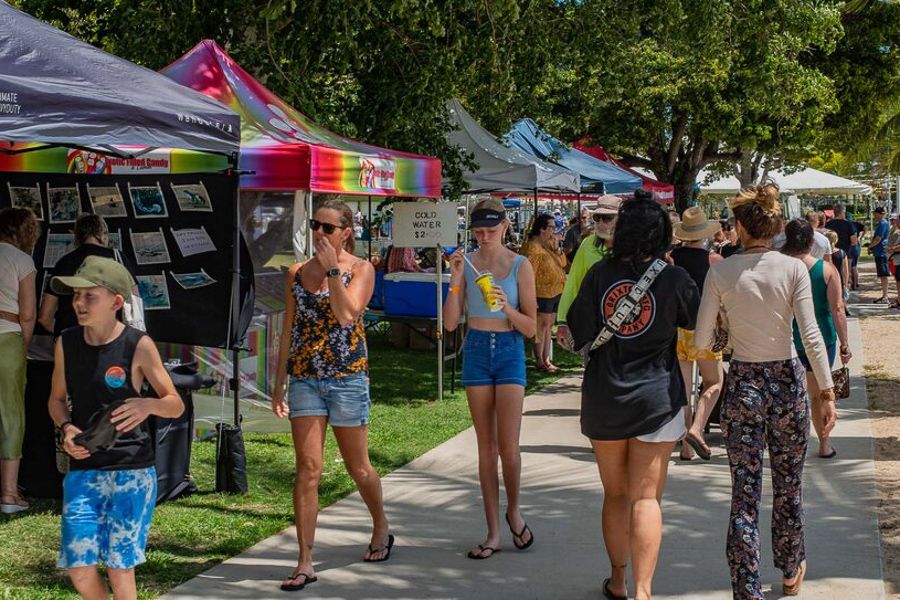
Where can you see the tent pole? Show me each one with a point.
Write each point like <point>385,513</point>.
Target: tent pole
<point>309,215</point>
<point>578,211</point>
<point>236,299</point>
<point>369,225</point>
<point>535,203</point>
<point>439,330</point>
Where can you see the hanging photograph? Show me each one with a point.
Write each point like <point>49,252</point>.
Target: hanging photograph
<point>147,201</point>
<point>65,204</point>
<point>192,197</point>
<point>107,202</point>
<point>190,281</point>
<point>154,292</point>
<point>150,247</point>
<point>58,245</point>
<point>115,240</point>
<point>26,197</point>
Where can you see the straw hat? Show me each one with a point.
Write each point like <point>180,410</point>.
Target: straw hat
<point>607,205</point>
<point>695,226</point>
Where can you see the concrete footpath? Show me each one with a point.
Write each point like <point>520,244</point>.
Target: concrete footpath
<point>436,517</point>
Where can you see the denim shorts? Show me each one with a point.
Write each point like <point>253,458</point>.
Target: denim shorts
<point>493,358</point>
<point>106,517</point>
<point>344,400</point>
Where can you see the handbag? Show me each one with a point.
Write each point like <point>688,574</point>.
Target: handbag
<point>841,378</point>
<point>720,335</point>
<point>133,310</point>
<point>628,307</point>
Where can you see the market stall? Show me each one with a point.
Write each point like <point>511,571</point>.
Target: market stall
<point>503,167</point>
<point>292,159</point>
<point>597,176</point>
<point>77,135</point>
<point>662,192</point>
<point>804,181</point>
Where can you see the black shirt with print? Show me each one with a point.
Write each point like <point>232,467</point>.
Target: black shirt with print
<point>632,384</point>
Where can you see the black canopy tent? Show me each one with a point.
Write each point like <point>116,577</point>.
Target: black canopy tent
<point>59,92</point>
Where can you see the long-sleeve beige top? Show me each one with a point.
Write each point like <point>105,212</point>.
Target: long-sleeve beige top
<point>759,296</point>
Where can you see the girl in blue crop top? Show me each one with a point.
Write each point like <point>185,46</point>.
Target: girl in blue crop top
<point>494,363</point>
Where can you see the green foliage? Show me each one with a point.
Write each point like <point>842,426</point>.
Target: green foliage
<point>672,85</point>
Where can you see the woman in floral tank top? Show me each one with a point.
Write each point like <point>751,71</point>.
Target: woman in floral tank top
<point>323,353</point>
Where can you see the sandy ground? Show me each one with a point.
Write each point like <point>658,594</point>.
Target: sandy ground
<point>881,338</point>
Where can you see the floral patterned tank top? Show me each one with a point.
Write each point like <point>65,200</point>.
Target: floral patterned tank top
<point>320,346</point>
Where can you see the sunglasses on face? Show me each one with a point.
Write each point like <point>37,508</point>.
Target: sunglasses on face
<point>327,228</point>
<point>603,218</point>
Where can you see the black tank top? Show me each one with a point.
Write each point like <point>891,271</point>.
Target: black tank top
<point>97,376</point>
<point>693,260</point>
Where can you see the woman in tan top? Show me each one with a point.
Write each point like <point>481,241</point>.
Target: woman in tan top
<point>549,263</point>
<point>760,293</point>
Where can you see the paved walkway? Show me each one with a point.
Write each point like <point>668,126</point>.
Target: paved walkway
<point>436,513</point>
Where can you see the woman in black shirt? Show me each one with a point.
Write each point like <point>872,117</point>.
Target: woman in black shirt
<point>633,398</point>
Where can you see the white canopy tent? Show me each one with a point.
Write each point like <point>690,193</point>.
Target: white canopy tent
<point>806,181</point>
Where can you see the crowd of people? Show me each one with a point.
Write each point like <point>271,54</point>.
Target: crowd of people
<point>646,298</point>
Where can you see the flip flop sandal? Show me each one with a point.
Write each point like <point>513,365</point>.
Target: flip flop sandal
<point>307,579</point>
<point>388,547</point>
<point>831,454</point>
<point>701,449</point>
<point>608,594</point>
<point>518,536</point>
<point>481,550</point>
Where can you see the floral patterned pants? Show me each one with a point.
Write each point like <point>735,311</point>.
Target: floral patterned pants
<point>764,403</point>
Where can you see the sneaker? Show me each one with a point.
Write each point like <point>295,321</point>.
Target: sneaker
<point>882,300</point>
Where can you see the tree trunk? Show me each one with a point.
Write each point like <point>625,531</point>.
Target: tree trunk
<point>684,192</point>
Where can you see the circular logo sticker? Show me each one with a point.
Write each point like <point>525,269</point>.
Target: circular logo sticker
<point>115,377</point>
<point>640,322</point>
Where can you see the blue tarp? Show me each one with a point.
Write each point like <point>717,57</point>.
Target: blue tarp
<point>597,176</point>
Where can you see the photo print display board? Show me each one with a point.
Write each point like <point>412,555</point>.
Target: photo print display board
<point>192,197</point>
<point>187,290</point>
<point>65,204</point>
<point>27,197</point>
<point>147,201</point>
<point>107,202</point>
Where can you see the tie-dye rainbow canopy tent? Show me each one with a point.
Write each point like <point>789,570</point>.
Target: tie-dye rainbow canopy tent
<point>293,159</point>
<point>290,152</point>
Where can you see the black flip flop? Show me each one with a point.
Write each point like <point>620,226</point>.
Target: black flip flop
<point>608,594</point>
<point>520,534</point>
<point>387,547</point>
<point>307,579</point>
<point>694,443</point>
<point>482,550</point>
<point>831,454</point>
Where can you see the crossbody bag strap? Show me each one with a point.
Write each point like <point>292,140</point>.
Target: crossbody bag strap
<point>630,304</point>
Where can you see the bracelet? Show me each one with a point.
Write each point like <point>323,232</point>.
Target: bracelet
<point>62,426</point>
<point>454,290</point>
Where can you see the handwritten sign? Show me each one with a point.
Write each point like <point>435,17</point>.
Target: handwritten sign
<point>421,224</point>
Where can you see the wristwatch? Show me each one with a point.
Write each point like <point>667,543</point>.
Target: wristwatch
<point>333,272</point>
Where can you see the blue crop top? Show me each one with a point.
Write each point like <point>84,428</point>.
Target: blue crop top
<point>510,285</point>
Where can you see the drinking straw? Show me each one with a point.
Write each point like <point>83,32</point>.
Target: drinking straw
<point>477,272</point>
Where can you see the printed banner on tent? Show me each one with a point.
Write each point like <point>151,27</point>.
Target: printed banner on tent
<point>420,224</point>
<point>93,163</point>
<point>377,173</point>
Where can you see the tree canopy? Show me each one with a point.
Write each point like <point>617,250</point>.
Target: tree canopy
<point>672,85</point>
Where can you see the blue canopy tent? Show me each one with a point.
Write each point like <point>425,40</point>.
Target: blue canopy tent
<point>597,176</point>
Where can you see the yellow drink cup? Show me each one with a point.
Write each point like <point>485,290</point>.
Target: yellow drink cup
<point>485,283</point>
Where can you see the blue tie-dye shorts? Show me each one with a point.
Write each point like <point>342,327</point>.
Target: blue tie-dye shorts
<point>106,517</point>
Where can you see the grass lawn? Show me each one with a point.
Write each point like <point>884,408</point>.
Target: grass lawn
<point>192,534</point>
